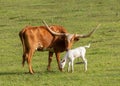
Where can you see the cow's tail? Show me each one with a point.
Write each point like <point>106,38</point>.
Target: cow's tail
<point>21,35</point>
<point>87,46</point>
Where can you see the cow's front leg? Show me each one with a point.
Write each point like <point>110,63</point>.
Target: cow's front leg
<point>49,60</point>
<point>58,60</point>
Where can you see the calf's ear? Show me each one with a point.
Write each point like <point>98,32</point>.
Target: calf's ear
<point>63,60</point>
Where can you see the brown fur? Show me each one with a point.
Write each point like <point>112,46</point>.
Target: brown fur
<point>38,38</point>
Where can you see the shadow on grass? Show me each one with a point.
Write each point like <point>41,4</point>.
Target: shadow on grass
<point>11,73</point>
<point>27,73</point>
<point>79,63</point>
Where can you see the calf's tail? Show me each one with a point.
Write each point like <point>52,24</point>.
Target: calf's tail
<point>87,46</point>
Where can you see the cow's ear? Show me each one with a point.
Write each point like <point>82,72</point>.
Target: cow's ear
<point>73,37</point>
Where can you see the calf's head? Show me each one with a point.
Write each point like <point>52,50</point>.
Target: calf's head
<point>62,63</point>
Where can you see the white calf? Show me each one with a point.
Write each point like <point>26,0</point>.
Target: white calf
<point>72,54</point>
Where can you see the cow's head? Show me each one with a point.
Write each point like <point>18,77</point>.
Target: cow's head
<point>70,38</point>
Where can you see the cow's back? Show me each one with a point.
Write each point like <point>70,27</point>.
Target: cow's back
<point>40,38</point>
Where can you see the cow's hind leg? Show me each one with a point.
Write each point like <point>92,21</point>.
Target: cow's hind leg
<point>24,58</point>
<point>49,60</point>
<point>30,53</point>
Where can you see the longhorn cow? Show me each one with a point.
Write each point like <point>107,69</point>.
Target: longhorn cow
<point>54,39</point>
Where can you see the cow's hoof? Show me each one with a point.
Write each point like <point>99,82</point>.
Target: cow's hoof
<point>31,72</point>
<point>48,69</point>
<point>61,69</point>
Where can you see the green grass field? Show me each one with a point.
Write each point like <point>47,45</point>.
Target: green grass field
<point>77,16</point>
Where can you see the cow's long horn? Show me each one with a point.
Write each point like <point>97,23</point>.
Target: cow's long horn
<point>89,34</point>
<point>54,33</point>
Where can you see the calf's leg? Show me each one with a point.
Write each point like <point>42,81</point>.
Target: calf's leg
<point>85,63</point>
<point>69,64</point>
<point>72,66</point>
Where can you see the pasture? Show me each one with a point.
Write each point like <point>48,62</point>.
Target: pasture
<point>77,16</point>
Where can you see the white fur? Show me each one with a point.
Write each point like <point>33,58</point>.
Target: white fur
<point>72,54</point>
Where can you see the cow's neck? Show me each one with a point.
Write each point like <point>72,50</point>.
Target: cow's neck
<point>45,49</point>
